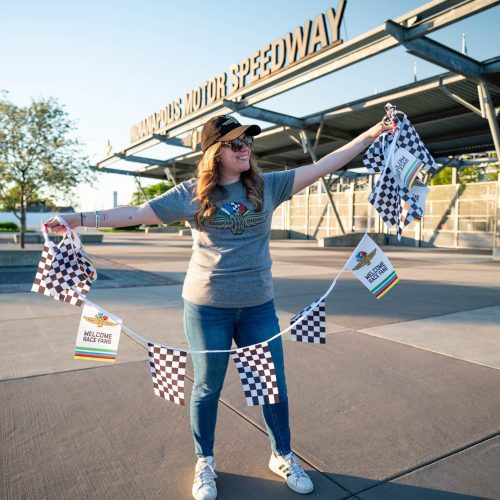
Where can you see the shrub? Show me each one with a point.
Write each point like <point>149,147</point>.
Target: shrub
<point>9,226</point>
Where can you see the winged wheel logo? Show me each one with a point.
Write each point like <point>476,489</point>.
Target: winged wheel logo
<point>364,259</point>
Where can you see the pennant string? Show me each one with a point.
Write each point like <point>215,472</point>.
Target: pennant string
<point>136,337</point>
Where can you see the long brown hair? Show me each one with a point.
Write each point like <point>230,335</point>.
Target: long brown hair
<point>208,176</point>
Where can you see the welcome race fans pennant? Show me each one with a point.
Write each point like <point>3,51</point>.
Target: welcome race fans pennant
<point>407,167</point>
<point>98,335</point>
<point>255,367</point>
<point>65,272</point>
<point>369,264</point>
<point>168,371</point>
<point>312,327</point>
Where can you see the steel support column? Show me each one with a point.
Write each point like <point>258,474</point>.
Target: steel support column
<point>489,111</point>
<point>496,229</point>
<point>312,153</point>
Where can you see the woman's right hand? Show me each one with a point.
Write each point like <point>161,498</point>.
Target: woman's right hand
<point>52,225</point>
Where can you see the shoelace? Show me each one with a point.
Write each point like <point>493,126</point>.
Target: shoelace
<point>294,467</point>
<point>206,473</point>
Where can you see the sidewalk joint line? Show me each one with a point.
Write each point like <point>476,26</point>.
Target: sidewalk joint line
<point>433,461</point>
<point>263,431</point>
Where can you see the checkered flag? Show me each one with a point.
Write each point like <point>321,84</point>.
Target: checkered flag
<point>410,211</point>
<point>410,140</point>
<point>256,370</point>
<point>394,196</point>
<point>374,158</point>
<point>65,272</point>
<point>168,369</point>
<point>385,198</point>
<point>311,328</point>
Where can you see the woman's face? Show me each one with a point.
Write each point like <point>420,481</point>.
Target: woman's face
<point>233,163</point>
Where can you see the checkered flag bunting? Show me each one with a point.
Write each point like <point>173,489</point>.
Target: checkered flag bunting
<point>311,328</point>
<point>410,140</point>
<point>64,272</point>
<point>374,158</point>
<point>385,199</point>
<point>394,197</point>
<point>255,367</point>
<point>168,370</point>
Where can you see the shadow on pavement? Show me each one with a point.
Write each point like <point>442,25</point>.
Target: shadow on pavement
<point>408,300</point>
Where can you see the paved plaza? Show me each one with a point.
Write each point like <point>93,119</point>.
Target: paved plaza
<point>402,402</point>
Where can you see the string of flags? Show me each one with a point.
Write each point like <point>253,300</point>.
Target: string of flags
<point>399,195</point>
<point>65,273</point>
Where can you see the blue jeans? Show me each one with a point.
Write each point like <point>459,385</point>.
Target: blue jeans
<point>212,328</point>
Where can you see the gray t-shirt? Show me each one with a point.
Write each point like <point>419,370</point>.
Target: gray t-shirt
<point>231,261</point>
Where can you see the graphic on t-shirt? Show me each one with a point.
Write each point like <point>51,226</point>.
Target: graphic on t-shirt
<point>236,217</point>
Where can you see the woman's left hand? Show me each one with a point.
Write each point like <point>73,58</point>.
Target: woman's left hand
<point>379,128</point>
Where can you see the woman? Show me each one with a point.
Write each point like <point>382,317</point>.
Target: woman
<point>228,291</point>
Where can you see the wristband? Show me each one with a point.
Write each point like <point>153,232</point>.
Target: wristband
<point>97,219</point>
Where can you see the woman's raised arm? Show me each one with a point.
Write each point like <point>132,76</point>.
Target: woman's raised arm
<point>308,174</point>
<point>114,217</point>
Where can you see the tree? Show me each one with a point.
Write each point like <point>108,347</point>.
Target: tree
<point>442,177</point>
<point>39,155</point>
<point>149,192</point>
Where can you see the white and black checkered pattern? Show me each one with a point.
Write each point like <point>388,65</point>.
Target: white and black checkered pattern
<point>411,141</point>
<point>312,327</point>
<point>410,210</point>
<point>385,199</point>
<point>395,204</point>
<point>65,271</point>
<point>51,287</point>
<point>255,367</point>
<point>374,158</point>
<point>168,370</point>
<point>408,138</point>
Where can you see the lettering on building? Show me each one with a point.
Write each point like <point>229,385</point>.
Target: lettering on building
<point>295,46</point>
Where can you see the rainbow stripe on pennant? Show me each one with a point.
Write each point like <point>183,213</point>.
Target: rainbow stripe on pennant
<point>382,288</point>
<point>94,354</point>
<point>412,173</point>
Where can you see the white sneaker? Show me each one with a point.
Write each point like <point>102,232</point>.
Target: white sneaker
<point>204,479</point>
<point>288,468</point>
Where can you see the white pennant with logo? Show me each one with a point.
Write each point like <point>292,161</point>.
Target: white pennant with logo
<point>98,335</point>
<point>369,264</point>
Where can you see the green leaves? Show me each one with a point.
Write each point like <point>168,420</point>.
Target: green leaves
<point>40,154</point>
<point>150,192</point>
<point>38,147</point>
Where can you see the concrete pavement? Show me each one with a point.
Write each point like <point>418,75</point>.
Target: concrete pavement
<point>401,402</point>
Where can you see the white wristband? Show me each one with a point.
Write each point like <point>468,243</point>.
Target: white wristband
<point>97,219</point>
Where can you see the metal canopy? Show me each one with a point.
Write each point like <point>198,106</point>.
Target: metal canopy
<point>455,113</point>
<point>446,126</point>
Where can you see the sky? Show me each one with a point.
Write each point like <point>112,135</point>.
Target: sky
<point>113,63</point>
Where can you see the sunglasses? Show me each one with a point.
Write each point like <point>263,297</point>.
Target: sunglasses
<point>237,144</point>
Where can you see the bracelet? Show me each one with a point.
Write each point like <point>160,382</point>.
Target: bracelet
<point>81,219</point>
<point>97,219</point>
